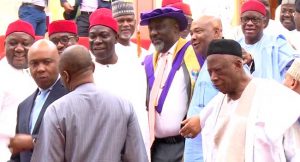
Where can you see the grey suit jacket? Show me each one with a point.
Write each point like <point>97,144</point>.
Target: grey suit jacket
<point>90,125</point>
<point>24,112</point>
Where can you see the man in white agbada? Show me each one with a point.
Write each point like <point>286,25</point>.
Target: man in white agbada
<point>123,12</point>
<point>292,77</point>
<point>116,74</point>
<point>16,82</point>
<point>251,119</point>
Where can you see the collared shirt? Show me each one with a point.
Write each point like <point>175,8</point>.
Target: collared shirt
<point>272,55</point>
<point>89,6</point>
<point>36,2</point>
<point>44,93</point>
<point>176,103</point>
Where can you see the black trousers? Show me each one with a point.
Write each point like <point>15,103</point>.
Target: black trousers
<point>83,24</point>
<point>167,152</point>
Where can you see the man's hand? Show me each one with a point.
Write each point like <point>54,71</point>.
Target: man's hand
<point>21,142</point>
<point>247,58</point>
<point>191,127</point>
<point>68,8</point>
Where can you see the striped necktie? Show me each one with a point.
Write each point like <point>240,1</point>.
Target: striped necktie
<point>154,95</point>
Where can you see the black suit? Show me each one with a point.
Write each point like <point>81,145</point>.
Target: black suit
<point>24,113</point>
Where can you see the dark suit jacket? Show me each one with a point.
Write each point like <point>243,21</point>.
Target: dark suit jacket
<point>24,112</point>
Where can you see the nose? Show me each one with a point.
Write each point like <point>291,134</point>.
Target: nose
<point>153,33</point>
<point>60,45</point>
<point>19,48</point>
<point>125,23</point>
<point>193,37</point>
<point>98,40</point>
<point>213,77</point>
<point>41,67</point>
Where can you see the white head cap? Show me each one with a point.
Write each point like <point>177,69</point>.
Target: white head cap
<point>294,70</point>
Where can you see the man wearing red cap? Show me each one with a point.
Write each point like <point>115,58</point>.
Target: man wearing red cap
<point>272,54</point>
<point>186,10</point>
<point>171,73</point>
<point>63,33</point>
<point>119,75</point>
<point>16,83</point>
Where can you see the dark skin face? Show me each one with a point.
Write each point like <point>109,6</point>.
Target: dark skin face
<point>102,44</point>
<point>287,16</point>
<point>253,24</point>
<point>63,40</point>
<point>43,63</point>
<point>76,67</point>
<point>126,25</point>
<point>164,32</point>
<point>268,15</point>
<point>222,72</point>
<point>297,20</point>
<point>16,49</point>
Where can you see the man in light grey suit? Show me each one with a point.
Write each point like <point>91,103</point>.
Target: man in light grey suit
<point>87,124</point>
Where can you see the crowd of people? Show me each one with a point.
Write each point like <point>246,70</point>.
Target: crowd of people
<point>197,95</point>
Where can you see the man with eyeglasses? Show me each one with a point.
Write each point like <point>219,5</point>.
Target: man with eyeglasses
<point>63,33</point>
<point>287,12</point>
<point>272,54</point>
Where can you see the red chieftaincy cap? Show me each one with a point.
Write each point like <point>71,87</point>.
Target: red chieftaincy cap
<point>20,26</point>
<point>103,16</point>
<point>182,6</point>
<point>254,5</point>
<point>165,3</point>
<point>61,26</point>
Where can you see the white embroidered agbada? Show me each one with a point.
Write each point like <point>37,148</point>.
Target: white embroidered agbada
<point>15,86</point>
<point>130,51</point>
<point>272,133</point>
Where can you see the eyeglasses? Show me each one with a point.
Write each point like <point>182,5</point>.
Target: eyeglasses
<point>62,40</point>
<point>254,20</point>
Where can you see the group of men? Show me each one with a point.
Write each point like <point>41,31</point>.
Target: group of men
<point>63,102</point>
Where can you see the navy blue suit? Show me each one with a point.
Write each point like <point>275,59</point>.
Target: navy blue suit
<point>24,112</point>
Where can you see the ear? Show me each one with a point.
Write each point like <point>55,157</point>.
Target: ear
<point>66,77</point>
<point>116,38</point>
<point>294,84</point>
<point>93,67</point>
<point>264,21</point>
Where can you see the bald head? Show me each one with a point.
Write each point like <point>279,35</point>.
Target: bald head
<point>76,66</point>
<point>42,45</point>
<point>203,31</point>
<point>43,60</point>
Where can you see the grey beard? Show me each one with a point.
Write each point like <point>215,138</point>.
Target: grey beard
<point>159,47</point>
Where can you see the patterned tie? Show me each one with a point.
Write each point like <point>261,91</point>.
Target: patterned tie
<point>38,104</point>
<point>154,95</point>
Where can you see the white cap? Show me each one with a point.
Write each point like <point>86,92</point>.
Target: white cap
<point>288,2</point>
<point>294,70</point>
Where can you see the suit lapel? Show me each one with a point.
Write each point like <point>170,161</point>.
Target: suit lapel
<point>57,91</point>
<point>28,106</point>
